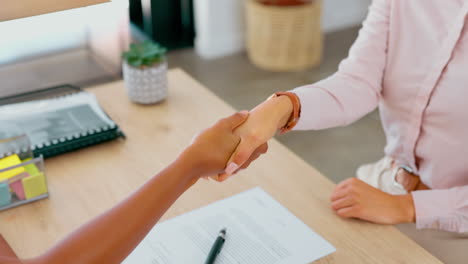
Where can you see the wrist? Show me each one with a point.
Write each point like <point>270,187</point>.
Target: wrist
<point>286,108</point>
<point>280,108</point>
<point>408,212</point>
<point>188,167</point>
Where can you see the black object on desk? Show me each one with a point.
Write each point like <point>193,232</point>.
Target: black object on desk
<point>56,120</point>
<point>217,246</point>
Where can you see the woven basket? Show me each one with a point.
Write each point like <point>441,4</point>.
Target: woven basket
<point>284,38</point>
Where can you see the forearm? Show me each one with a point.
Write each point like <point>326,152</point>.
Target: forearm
<point>110,237</point>
<point>278,111</point>
<point>408,213</point>
<point>284,110</point>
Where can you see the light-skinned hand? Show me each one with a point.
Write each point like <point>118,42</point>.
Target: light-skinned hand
<point>261,126</point>
<point>354,198</point>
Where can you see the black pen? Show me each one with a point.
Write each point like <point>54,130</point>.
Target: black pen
<point>217,246</point>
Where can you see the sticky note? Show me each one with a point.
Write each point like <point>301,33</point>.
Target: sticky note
<point>31,168</point>
<point>34,185</point>
<point>17,188</point>
<point>5,195</point>
<point>8,162</point>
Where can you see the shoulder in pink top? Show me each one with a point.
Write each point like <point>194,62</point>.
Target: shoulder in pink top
<point>411,61</point>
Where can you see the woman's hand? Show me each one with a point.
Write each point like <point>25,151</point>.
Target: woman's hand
<point>261,126</point>
<point>210,150</point>
<point>354,198</point>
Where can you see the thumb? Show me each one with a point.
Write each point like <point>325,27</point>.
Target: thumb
<point>235,120</point>
<point>241,155</point>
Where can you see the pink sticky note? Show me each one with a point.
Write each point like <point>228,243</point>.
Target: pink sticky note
<point>18,189</point>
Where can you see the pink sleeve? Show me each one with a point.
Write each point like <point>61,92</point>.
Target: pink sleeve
<point>355,89</point>
<point>442,209</point>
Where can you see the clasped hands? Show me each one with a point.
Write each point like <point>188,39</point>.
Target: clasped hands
<point>243,137</point>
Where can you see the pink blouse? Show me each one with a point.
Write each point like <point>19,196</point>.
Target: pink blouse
<point>410,60</point>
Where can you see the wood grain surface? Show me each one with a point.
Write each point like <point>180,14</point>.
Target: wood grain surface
<point>87,182</point>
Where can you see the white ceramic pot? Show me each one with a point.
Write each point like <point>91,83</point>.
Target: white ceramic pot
<point>146,85</point>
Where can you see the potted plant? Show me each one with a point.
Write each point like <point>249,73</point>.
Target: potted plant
<point>284,35</point>
<point>145,72</point>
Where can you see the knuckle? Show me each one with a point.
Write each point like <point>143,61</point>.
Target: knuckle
<point>346,183</point>
<point>333,197</point>
<point>235,117</point>
<point>335,206</point>
<point>241,157</point>
<point>357,209</point>
<point>339,186</point>
<point>239,115</point>
<point>255,157</point>
<point>353,180</point>
<point>342,213</point>
<point>353,184</point>
<point>349,188</point>
<point>351,197</point>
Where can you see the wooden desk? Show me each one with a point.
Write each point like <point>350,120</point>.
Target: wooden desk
<point>87,182</point>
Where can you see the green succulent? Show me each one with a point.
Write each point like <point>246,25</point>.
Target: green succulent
<point>146,53</point>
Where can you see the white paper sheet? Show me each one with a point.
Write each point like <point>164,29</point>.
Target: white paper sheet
<point>259,231</point>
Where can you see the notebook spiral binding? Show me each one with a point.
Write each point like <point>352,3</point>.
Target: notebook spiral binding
<point>74,137</point>
<point>77,141</point>
<point>86,138</point>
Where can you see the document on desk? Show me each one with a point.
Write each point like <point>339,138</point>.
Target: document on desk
<point>259,231</point>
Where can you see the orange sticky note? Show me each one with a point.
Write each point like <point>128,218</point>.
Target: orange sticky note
<point>8,162</point>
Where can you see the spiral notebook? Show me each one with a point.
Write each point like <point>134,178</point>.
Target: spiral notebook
<point>56,124</point>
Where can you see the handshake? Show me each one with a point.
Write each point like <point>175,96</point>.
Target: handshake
<point>235,141</point>
<point>223,149</point>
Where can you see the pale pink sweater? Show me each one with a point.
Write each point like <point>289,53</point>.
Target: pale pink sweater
<point>410,60</point>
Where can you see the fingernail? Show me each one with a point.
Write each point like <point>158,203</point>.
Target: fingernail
<point>231,168</point>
